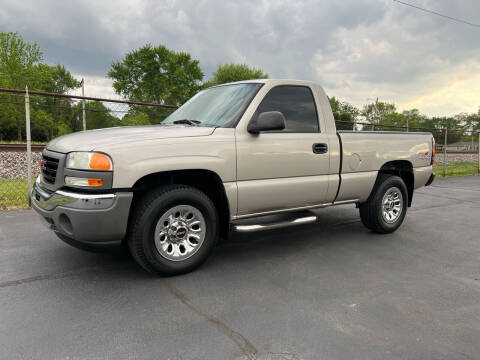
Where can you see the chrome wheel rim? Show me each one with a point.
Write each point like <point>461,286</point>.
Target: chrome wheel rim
<point>180,232</point>
<point>392,205</point>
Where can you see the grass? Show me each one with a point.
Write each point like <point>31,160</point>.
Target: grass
<point>456,169</point>
<point>13,194</point>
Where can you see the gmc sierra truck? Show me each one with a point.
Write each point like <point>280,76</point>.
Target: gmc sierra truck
<point>226,160</point>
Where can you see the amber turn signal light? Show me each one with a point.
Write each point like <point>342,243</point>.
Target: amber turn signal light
<point>95,182</point>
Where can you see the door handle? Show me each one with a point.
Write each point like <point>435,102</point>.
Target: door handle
<point>320,148</point>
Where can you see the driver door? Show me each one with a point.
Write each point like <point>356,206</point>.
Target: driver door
<point>279,170</point>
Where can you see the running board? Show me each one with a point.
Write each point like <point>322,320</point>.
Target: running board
<point>270,222</point>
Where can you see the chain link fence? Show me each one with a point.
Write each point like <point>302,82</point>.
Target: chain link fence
<point>53,115</point>
<point>457,150</point>
<point>453,145</point>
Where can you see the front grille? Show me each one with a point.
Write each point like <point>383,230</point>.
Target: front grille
<point>49,170</point>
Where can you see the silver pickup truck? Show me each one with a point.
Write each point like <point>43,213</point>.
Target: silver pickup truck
<point>243,156</point>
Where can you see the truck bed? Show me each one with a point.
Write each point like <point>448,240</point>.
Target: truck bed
<point>363,153</point>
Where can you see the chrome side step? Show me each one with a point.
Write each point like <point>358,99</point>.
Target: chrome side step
<point>274,222</point>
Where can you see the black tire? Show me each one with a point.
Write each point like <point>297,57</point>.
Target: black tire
<point>371,212</point>
<point>147,212</point>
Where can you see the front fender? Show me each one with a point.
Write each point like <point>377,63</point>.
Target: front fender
<point>126,178</point>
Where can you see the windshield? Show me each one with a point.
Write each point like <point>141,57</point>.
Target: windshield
<point>219,106</point>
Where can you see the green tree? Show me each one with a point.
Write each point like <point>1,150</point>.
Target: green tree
<point>156,74</point>
<point>136,115</point>
<point>376,113</point>
<point>471,121</point>
<point>20,65</point>
<point>413,118</point>
<point>234,72</point>
<point>41,124</point>
<point>441,123</point>
<point>399,121</point>
<point>18,60</point>
<point>8,112</point>
<point>98,116</point>
<point>56,79</point>
<point>135,119</point>
<point>344,114</point>
<point>393,121</point>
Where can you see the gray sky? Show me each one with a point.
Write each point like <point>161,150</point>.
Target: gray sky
<point>357,49</point>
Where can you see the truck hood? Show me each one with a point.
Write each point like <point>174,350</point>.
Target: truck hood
<point>101,138</point>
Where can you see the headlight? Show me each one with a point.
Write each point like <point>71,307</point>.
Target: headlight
<point>89,161</point>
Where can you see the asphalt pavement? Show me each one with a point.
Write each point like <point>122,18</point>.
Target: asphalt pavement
<point>331,290</point>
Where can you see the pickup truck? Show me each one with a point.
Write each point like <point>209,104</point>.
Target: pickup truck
<point>244,156</point>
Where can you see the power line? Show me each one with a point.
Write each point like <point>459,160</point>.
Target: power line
<point>438,14</point>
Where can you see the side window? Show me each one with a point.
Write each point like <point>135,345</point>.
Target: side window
<point>296,104</point>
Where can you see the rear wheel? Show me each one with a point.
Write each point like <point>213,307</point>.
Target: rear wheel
<point>386,207</point>
<point>173,230</point>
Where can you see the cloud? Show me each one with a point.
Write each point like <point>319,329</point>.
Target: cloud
<point>430,65</point>
<point>96,86</point>
<point>355,48</point>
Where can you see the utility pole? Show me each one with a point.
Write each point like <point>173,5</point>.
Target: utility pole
<point>29,142</point>
<point>473,136</point>
<point>444,172</point>
<point>377,113</point>
<point>84,121</point>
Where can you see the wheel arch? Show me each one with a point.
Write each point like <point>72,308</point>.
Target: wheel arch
<point>206,181</point>
<point>402,169</point>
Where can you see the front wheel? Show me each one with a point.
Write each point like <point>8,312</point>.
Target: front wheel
<point>173,230</point>
<point>386,207</point>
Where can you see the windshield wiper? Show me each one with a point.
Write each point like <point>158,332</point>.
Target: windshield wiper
<point>188,122</point>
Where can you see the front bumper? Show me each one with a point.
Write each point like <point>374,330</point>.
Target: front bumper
<point>99,219</point>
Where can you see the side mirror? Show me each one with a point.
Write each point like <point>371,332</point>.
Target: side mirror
<point>265,121</point>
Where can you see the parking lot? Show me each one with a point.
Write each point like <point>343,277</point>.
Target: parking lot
<point>332,290</point>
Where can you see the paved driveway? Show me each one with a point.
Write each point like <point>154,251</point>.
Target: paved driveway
<point>332,290</point>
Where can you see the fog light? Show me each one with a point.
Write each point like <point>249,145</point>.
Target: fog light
<point>65,224</point>
<point>75,181</point>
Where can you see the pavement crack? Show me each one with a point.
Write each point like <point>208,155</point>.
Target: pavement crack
<point>247,349</point>
<point>53,276</point>
<point>459,201</point>
<point>434,207</point>
<point>454,188</point>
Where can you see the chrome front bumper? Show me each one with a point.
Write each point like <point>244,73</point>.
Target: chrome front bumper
<point>49,201</point>
<point>86,218</point>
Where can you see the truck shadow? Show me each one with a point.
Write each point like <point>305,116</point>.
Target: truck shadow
<point>337,231</point>
<point>334,230</point>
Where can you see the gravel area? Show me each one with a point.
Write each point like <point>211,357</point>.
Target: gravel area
<point>452,157</point>
<point>13,165</point>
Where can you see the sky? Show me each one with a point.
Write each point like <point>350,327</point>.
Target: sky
<point>357,50</point>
